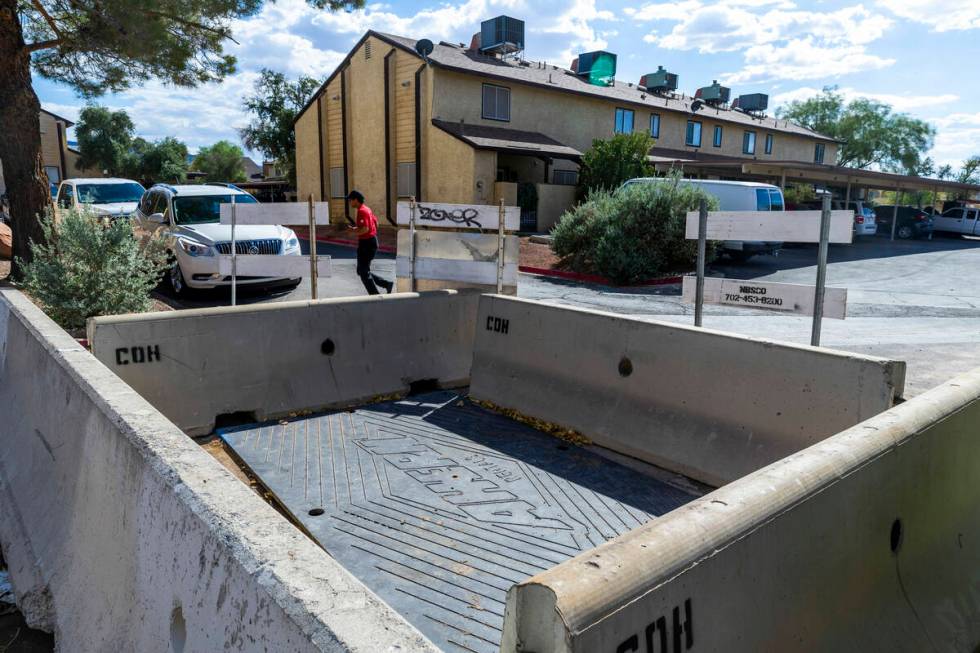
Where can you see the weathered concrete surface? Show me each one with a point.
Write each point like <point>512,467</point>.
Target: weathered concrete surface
<point>122,535</point>
<point>710,405</point>
<point>272,359</point>
<point>867,541</point>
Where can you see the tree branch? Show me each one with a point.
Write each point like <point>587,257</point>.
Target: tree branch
<point>190,23</point>
<point>43,45</point>
<point>47,18</point>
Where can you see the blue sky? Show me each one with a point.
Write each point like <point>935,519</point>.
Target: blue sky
<point>918,55</point>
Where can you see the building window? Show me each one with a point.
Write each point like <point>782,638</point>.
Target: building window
<point>53,173</point>
<point>693,136</point>
<point>748,143</point>
<point>655,125</point>
<point>717,140</point>
<point>818,153</point>
<point>406,179</point>
<point>768,143</point>
<point>337,183</point>
<point>624,121</point>
<point>566,177</point>
<point>496,102</point>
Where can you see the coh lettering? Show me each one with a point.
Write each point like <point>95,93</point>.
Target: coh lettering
<point>497,324</point>
<point>659,634</point>
<point>137,354</point>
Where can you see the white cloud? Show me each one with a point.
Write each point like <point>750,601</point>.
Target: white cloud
<point>901,103</point>
<point>778,41</point>
<point>803,59</point>
<point>940,15</point>
<point>957,138</point>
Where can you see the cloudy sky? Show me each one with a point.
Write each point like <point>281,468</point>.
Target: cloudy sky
<point>921,56</point>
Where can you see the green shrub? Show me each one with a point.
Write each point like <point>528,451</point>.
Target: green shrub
<point>632,234</point>
<point>607,164</point>
<point>88,267</point>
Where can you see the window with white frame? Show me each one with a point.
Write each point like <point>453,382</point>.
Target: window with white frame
<point>496,102</point>
<point>624,121</point>
<point>748,143</point>
<point>693,135</point>
<point>655,125</point>
<point>769,139</point>
<point>818,151</point>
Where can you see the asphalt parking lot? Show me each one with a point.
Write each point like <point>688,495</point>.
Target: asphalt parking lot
<point>917,301</point>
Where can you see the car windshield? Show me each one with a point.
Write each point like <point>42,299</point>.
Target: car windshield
<point>109,193</point>
<point>204,208</point>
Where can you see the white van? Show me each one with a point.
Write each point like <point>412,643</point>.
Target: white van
<point>736,196</point>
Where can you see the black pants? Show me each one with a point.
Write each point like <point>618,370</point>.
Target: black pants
<point>366,249</point>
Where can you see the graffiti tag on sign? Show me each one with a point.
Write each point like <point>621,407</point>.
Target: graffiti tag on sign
<point>137,354</point>
<point>663,636</point>
<point>497,324</point>
<point>466,217</point>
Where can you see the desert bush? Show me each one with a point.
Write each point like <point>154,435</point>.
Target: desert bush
<point>608,163</point>
<point>631,234</point>
<point>89,266</point>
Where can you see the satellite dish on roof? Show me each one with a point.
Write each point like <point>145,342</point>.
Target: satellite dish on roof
<point>424,47</point>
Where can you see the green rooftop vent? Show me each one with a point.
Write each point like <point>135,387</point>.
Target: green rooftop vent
<point>597,68</point>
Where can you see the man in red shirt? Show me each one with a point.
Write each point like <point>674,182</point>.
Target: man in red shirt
<point>366,228</point>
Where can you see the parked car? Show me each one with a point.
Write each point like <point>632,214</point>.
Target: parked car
<point>736,196</point>
<point>864,215</point>
<point>188,217</point>
<point>107,196</point>
<point>912,222</point>
<point>959,220</point>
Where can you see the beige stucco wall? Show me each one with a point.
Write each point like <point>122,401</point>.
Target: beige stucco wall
<point>553,201</point>
<point>365,123</point>
<point>308,155</point>
<point>576,120</point>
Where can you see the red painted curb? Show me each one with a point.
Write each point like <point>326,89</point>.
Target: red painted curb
<point>343,242</point>
<point>593,278</point>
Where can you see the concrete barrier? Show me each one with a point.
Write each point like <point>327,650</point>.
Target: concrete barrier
<point>122,535</point>
<point>713,406</point>
<point>273,359</point>
<point>867,541</point>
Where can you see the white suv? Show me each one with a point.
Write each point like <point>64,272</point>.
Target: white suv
<point>106,196</point>
<point>188,217</point>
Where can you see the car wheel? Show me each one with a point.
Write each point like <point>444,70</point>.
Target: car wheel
<point>175,279</point>
<point>904,232</point>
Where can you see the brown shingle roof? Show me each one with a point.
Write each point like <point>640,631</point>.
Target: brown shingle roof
<point>504,139</point>
<point>453,57</point>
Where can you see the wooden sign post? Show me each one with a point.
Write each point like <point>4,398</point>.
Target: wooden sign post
<point>823,227</point>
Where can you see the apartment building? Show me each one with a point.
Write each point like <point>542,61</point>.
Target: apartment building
<point>470,123</point>
<point>59,159</point>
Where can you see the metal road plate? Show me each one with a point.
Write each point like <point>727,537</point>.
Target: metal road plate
<point>440,506</point>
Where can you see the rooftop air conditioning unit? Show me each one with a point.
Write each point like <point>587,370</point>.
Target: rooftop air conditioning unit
<point>597,68</point>
<point>502,35</point>
<point>751,102</point>
<point>715,94</point>
<point>660,81</point>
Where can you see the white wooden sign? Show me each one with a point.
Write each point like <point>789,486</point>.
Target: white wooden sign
<point>297,213</point>
<point>273,265</point>
<point>462,257</point>
<point>458,216</point>
<point>482,273</point>
<point>773,226</point>
<point>782,297</point>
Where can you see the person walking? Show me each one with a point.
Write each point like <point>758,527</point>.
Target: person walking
<point>366,228</point>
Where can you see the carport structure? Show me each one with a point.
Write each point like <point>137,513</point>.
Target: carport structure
<point>851,180</point>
